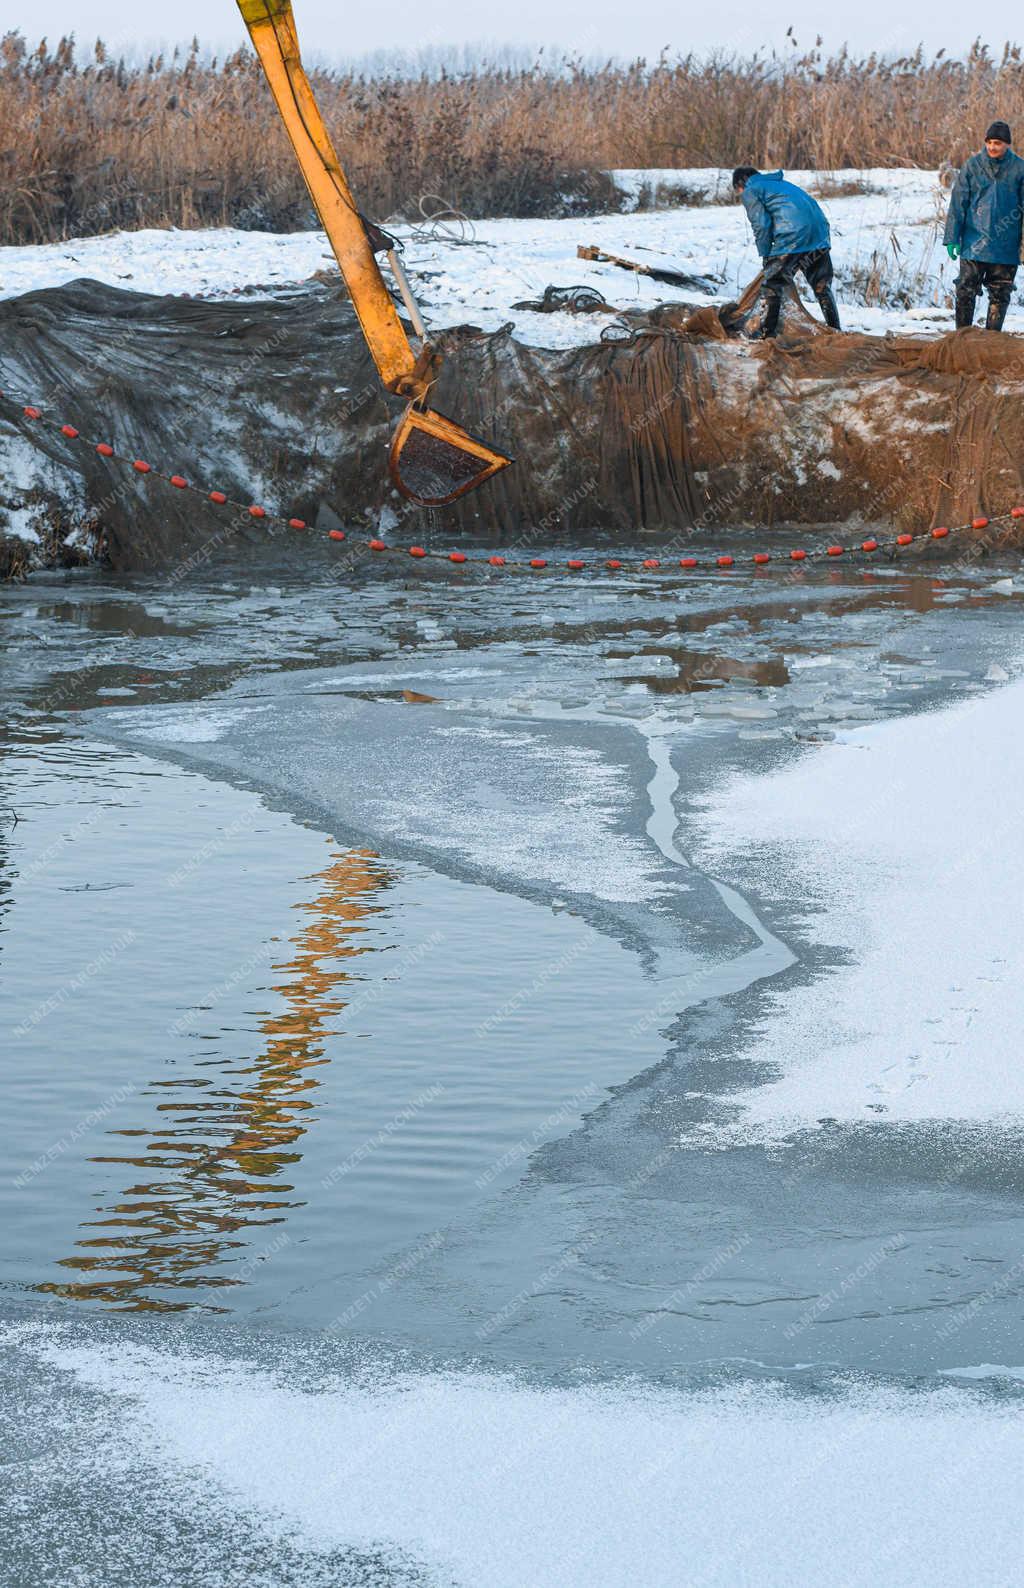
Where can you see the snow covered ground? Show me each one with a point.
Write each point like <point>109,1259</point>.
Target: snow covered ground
<point>905,838</point>
<point>475,271</point>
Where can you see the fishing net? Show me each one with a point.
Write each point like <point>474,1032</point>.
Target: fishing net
<point>567,300</point>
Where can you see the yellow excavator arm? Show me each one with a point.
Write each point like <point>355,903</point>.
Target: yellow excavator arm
<point>433,459</point>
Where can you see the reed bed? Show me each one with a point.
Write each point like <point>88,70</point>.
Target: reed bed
<point>91,143</point>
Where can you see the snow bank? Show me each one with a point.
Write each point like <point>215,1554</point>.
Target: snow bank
<point>475,272</point>
<point>495,1484</point>
<point>906,835</point>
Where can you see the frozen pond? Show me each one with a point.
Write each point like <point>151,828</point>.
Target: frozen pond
<point>500,1071</point>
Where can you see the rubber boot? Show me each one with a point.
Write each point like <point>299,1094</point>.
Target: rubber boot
<point>997,308</point>
<point>829,310</point>
<point>772,310</point>
<point>966,303</point>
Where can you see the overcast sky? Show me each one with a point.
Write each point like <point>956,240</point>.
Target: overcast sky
<point>337,29</point>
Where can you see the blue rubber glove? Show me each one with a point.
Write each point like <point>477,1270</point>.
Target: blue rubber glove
<point>953,250</point>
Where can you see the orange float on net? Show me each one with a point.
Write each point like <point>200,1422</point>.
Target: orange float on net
<point>940,533</point>
<point>218,497</point>
<point>725,562</point>
<point>651,562</point>
<point>979,523</point>
<point>869,545</point>
<point>300,523</point>
<point>762,556</point>
<point>33,413</point>
<point>456,556</point>
<point>496,562</point>
<point>575,563</point>
<point>142,466</point>
<point>904,540</point>
<point>836,551</point>
<point>69,431</point>
<point>687,562</point>
<point>104,449</point>
<point>377,545</point>
<point>1017,512</point>
<point>256,511</point>
<point>179,481</point>
<point>613,563</point>
<point>417,551</point>
<point>538,562</point>
<point>797,555</point>
<point>335,534</point>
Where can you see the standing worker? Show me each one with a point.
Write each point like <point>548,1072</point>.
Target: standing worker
<point>983,227</point>
<point>791,234</point>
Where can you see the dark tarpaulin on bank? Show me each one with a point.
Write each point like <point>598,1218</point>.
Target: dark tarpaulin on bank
<point>665,424</point>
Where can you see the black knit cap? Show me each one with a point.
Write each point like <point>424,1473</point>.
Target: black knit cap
<point>999,130</point>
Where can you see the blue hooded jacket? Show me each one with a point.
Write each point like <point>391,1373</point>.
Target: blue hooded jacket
<point>786,220</point>
<point>986,209</point>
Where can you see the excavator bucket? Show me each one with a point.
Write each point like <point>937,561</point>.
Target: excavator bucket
<point>434,460</point>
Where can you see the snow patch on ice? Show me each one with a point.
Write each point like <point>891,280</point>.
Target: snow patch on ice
<point>196,724</point>
<point>495,1483</point>
<point>906,838</point>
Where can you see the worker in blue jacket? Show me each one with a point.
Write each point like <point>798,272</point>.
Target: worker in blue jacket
<point>983,227</point>
<point>791,234</point>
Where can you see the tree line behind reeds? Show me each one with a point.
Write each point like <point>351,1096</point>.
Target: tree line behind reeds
<point>88,145</point>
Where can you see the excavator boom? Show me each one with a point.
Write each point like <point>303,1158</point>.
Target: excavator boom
<point>444,460</point>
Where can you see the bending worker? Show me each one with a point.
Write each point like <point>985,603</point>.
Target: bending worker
<point>791,234</point>
<point>983,227</point>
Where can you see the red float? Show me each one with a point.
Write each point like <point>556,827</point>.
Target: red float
<point>538,562</point>
<point>762,556</point>
<point>612,563</point>
<point>377,545</point>
<point>725,562</point>
<point>869,545</point>
<point>256,511</point>
<point>417,551</point>
<point>456,556</point>
<point>179,481</point>
<point>218,497</point>
<point>300,523</point>
<point>836,551</point>
<point>69,431</point>
<point>575,564</point>
<point>105,450</point>
<point>496,562</point>
<point>904,540</point>
<point>336,534</point>
<point>940,533</point>
<point>651,562</point>
<point>797,555</point>
<point>142,466</point>
<point>979,523</point>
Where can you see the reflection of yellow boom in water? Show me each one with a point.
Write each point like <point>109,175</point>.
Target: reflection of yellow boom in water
<point>433,459</point>
<point>215,1169</point>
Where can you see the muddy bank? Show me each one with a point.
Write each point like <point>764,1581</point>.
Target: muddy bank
<point>669,427</point>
